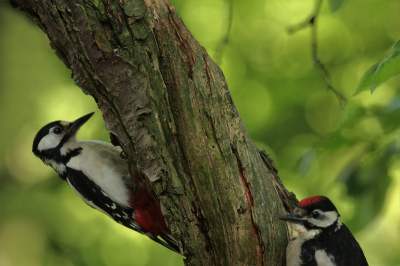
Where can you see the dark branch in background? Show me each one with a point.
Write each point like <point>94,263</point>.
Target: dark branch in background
<point>314,48</point>
<point>221,46</point>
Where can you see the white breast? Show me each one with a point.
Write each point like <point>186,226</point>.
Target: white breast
<point>293,252</point>
<point>101,162</point>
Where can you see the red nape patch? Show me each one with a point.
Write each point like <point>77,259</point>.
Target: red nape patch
<point>310,201</point>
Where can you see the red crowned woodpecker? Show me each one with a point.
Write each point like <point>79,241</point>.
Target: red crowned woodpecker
<point>97,173</point>
<point>319,237</point>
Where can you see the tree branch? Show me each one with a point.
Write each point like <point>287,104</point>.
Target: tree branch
<point>314,48</point>
<point>222,44</point>
<point>168,105</point>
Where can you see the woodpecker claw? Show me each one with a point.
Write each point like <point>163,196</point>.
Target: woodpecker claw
<point>123,155</point>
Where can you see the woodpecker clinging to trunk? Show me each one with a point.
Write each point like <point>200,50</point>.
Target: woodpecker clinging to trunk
<point>100,177</point>
<point>319,237</point>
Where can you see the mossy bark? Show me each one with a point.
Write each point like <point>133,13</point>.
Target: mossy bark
<point>169,107</point>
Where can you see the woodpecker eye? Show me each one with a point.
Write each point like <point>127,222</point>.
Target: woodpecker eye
<point>315,215</point>
<point>57,130</point>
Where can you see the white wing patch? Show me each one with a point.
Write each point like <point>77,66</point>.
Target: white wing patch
<point>324,259</point>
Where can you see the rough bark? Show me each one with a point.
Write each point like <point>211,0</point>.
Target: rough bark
<point>169,107</point>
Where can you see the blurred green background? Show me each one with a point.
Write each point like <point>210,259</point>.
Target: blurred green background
<point>349,154</point>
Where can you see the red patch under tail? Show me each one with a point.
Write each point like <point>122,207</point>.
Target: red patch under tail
<point>147,211</point>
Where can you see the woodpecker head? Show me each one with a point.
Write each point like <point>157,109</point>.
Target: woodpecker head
<point>313,216</point>
<point>49,141</point>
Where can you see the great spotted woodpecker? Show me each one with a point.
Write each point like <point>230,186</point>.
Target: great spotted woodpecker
<point>319,237</point>
<point>97,173</point>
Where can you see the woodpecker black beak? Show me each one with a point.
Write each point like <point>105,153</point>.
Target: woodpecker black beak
<point>292,217</point>
<point>74,126</point>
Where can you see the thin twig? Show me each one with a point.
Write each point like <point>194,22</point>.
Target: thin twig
<point>314,48</point>
<point>221,46</point>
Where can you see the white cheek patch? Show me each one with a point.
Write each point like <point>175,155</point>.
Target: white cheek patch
<point>49,142</point>
<point>326,220</point>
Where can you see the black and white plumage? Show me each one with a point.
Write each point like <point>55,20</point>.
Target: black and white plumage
<point>100,177</point>
<point>319,237</point>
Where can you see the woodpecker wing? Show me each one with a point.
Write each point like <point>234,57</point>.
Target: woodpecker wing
<point>96,198</point>
<point>341,246</point>
<point>345,248</point>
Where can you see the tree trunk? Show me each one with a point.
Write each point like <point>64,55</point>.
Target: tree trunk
<point>168,105</point>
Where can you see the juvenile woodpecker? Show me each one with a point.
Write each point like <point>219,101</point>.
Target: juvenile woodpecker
<point>97,173</point>
<point>319,237</point>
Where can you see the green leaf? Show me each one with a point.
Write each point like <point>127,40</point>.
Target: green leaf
<point>335,5</point>
<point>367,80</point>
<point>396,45</point>
<point>379,73</point>
<point>387,68</point>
